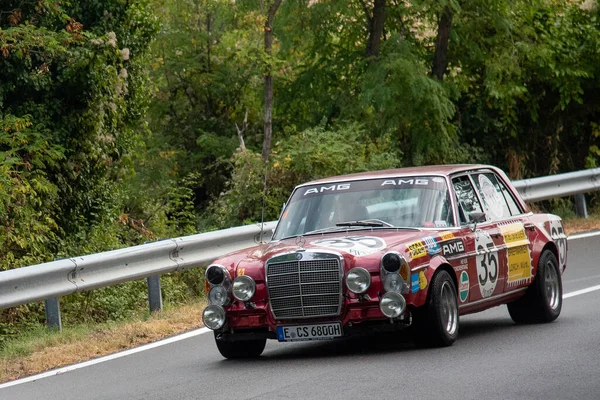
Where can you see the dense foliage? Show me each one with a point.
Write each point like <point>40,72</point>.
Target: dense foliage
<point>126,121</point>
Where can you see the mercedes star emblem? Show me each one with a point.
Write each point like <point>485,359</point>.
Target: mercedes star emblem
<point>300,241</point>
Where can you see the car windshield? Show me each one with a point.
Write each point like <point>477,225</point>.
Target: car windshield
<point>407,202</point>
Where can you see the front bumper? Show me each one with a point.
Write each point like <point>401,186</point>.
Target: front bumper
<point>357,318</point>
<point>365,328</point>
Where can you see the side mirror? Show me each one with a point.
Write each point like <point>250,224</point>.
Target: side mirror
<point>478,217</point>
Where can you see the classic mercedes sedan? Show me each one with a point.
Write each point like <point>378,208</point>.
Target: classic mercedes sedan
<point>388,250</point>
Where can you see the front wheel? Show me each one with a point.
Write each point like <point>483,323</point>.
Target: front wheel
<point>436,323</point>
<point>241,349</point>
<point>543,300</point>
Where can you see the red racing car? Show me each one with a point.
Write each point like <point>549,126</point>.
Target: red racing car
<point>389,250</point>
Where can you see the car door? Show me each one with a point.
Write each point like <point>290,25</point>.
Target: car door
<point>482,240</point>
<point>514,228</point>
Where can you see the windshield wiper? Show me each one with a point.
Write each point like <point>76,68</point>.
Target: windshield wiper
<point>366,222</point>
<point>356,224</point>
<point>335,228</point>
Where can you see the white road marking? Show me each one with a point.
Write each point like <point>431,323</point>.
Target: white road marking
<point>109,357</point>
<point>582,291</point>
<point>201,331</point>
<point>583,235</point>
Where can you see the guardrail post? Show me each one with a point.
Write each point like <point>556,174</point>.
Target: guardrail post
<point>580,206</point>
<point>52,306</point>
<point>154,293</point>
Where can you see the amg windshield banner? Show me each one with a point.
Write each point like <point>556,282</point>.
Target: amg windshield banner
<point>425,182</point>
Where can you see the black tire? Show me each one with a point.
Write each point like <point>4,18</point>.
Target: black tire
<point>241,349</point>
<point>436,323</point>
<point>543,300</point>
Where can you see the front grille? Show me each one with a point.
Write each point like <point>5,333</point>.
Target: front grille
<point>304,288</point>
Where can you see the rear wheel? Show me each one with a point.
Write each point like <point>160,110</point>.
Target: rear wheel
<point>436,323</point>
<point>543,300</point>
<point>241,349</point>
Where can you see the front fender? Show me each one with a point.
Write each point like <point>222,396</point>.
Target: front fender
<point>421,278</point>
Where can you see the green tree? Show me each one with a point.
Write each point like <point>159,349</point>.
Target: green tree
<point>527,73</point>
<point>82,86</point>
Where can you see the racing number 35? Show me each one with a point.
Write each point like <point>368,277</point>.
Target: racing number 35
<point>489,264</point>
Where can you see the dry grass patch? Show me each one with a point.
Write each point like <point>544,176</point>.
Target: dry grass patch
<point>44,350</point>
<point>577,225</point>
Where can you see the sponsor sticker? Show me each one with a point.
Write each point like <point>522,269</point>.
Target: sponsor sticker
<point>414,283</point>
<point>462,267</point>
<point>519,258</point>
<point>422,280</point>
<point>356,245</point>
<point>432,245</point>
<point>453,247</point>
<point>463,286</point>
<point>446,235</point>
<point>241,271</point>
<point>417,249</point>
<point>440,224</point>
<point>408,182</point>
<point>327,188</point>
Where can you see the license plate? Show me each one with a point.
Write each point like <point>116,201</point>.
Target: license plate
<point>296,333</point>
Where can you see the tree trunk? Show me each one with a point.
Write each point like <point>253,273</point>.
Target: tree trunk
<point>440,57</point>
<point>208,41</point>
<point>268,126</point>
<point>241,132</point>
<point>376,23</point>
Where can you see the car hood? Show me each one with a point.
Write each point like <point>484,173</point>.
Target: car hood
<point>358,248</point>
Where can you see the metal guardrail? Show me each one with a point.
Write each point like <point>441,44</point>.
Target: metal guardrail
<point>73,275</point>
<point>49,281</point>
<point>560,185</point>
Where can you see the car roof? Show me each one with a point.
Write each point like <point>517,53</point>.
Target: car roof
<point>440,170</point>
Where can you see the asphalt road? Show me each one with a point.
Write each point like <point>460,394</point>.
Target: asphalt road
<point>492,359</point>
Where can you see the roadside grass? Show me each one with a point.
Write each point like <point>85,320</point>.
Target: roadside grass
<point>578,225</point>
<point>42,349</point>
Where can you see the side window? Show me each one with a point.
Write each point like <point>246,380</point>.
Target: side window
<point>494,201</point>
<point>466,198</point>
<point>510,200</point>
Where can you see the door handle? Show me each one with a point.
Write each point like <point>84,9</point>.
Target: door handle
<point>531,227</point>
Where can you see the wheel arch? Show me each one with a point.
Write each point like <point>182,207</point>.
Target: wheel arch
<point>439,264</point>
<point>446,267</point>
<point>552,247</point>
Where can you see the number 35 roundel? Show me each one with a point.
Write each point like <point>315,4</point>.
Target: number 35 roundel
<point>487,263</point>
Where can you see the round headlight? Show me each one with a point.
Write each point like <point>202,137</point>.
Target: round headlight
<point>215,274</point>
<point>243,288</point>
<point>393,283</point>
<point>218,295</point>
<point>392,304</point>
<point>358,280</point>
<point>390,262</point>
<point>213,317</point>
